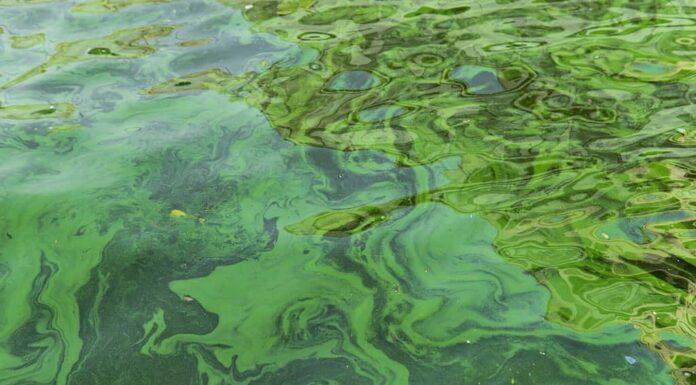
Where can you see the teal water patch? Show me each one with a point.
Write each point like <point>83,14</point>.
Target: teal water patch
<point>479,80</point>
<point>635,229</point>
<point>676,341</point>
<point>652,68</point>
<point>377,114</point>
<point>353,81</point>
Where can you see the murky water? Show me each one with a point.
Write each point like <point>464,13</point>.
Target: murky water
<point>347,192</point>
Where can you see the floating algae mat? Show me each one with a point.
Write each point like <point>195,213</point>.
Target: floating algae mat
<point>309,192</point>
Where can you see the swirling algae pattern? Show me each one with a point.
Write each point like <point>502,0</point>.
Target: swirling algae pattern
<point>333,192</point>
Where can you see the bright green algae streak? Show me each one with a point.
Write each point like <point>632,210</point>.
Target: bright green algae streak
<point>333,192</point>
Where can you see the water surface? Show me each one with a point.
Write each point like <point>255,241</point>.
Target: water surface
<point>347,192</point>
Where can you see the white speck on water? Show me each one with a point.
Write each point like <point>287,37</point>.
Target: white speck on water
<point>248,7</point>
<point>630,360</point>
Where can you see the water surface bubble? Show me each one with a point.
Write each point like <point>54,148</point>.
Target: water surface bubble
<point>315,36</point>
<point>513,45</point>
<point>427,59</point>
<point>686,41</point>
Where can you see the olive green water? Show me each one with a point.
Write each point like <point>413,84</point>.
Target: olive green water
<point>347,192</point>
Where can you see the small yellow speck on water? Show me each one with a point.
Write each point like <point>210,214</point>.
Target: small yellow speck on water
<point>176,213</point>
<point>605,235</point>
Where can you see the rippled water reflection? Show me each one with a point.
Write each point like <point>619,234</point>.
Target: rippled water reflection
<point>334,192</point>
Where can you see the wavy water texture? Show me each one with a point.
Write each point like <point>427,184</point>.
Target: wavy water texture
<point>335,192</point>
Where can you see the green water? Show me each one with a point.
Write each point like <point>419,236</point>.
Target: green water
<point>312,192</point>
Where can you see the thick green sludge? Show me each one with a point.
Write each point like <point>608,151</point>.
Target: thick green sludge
<point>322,192</point>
